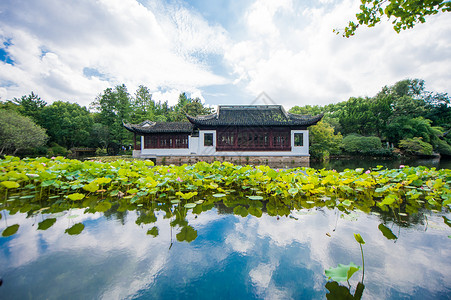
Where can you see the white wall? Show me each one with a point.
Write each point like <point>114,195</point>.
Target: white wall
<point>196,147</point>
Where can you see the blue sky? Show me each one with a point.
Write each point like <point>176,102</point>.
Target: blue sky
<point>225,52</point>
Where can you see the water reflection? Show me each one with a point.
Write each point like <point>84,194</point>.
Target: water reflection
<point>211,252</point>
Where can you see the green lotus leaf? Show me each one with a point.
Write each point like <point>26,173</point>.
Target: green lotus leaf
<point>10,230</point>
<point>102,180</point>
<point>46,224</point>
<point>387,232</point>
<point>76,229</point>
<point>153,231</point>
<point>342,272</point>
<point>190,205</point>
<point>241,211</point>
<point>255,197</point>
<point>75,197</point>
<point>102,206</point>
<point>91,187</point>
<point>359,238</point>
<point>255,211</point>
<point>187,234</point>
<point>219,195</point>
<point>186,196</point>
<point>10,184</point>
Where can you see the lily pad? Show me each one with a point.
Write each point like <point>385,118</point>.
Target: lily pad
<point>76,229</point>
<point>10,230</point>
<point>219,195</point>
<point>75,197</point>
<point>387,232</point>
<point>46,224</point>
<point>342,272</point>
<point>255,197</point>
<point>190,205</point>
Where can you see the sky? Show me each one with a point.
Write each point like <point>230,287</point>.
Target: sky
<point>224,52</point>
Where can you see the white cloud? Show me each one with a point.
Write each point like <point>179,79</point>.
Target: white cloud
<point>123,40</point>
<point>284,48</point>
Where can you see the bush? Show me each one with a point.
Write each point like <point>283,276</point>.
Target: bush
<point>443,148</point>
<point>415,146</point>
<point>57,150</point>
<point>101,152</point>
<point>355,143</point>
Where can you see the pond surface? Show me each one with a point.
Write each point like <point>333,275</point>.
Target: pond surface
<point>340,164</point>
<point>228,256</point>
<point>128,230</point>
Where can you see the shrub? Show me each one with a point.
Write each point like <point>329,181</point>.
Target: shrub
<point>443,148</point>
<point>415,146</point>
<point>58,150</point>
<point>355,143</point>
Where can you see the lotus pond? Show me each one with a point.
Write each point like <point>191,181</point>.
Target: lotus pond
<point>128,229</point>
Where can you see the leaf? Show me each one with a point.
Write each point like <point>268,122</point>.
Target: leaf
<point>153,231</point>
<point>255,197</point>
<point>219,195</point>
<point>342,272</point>
<point>447,221</point>
<point>76,229</point>
<point>187,234</point>
<point>387,232</point>
<point>10,184</point>
<point>359,238</point>
<point>102,206</point>
<point>92,187</point>
<point>255,211</point>
<point>190,205</point>
<point>240,210</point>
<point>186,196</point>
<point>75,197</point>
<point>46,224</point>
<point>10,230</point>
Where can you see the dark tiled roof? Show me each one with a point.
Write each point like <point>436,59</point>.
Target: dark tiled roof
<point>159,127</point>
<point>253,115</point>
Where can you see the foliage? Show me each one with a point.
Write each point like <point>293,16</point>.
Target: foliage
<point>323,140</point>
<point>416,146</point>
<point>443,148</point>
<point>67,124</point>
<point>113,107</point>
<point>19,132</point>
<point>406,13</point>
<point>355,143</point>
<point>30,106</point>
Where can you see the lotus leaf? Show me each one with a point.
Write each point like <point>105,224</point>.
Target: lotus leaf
<point>10,184</point>
<point>190,205</point>
<point>255,197</point>
<point>46,224</point>
<point>387,232</point>
<point>103,206</point>
<point>76,229</point>
<point>10,230</point>
<point>359,238</point>
<point>91,187</point>
<point>187,234</point>
<point>153,231</point>
<point>342,272</point>
<point>219,195</point>
<point>75,197</point>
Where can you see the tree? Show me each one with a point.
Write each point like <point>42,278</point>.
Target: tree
<point>323,141</point>
<point>114,106</point>
<point>406,13</point>
<point>19,132</point>
<point>67,124</point>
<point>31,106</point>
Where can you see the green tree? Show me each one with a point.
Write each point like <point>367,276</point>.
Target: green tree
<point>142,105</point>
<point>30,106</point>
<point>19,132</point>
<point>114,106</point>
<point>323,141</point>
<point>67,124</point>
<point>406,13</point>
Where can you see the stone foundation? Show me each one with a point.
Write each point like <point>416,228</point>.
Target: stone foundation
<point>273,161</point>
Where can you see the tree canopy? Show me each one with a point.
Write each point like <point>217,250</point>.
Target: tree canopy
<point>406,13</point>
<point>19,132</point>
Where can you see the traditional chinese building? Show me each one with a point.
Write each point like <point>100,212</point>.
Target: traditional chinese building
<point>234,132</point>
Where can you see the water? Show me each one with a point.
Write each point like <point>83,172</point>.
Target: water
<point>340,164</point>
<point>232,257</point>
